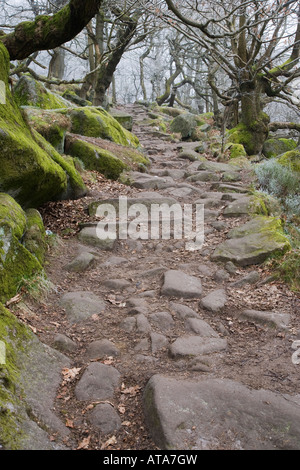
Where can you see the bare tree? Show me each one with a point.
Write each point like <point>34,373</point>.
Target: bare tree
<point>256,43</point>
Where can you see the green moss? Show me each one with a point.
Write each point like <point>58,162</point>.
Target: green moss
<point>75,187</point>
<point>51,125</point>
<point>290,160</point>
<point>274,147</point>
<point>34,238</point>
<point>236,150</point>
<point>96,122</point>
<point>27,172</point>
<point>288,270</point>
<point>95,158</point>
<point>14,335</point>
<point>242,136</point>
<point>29,92</point>
<point>15,259</point>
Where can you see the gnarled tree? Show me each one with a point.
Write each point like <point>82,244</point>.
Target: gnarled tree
<point>256,43</point>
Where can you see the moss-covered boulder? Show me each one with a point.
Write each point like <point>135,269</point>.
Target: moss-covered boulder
<point>51,125</point>
<point>29,378</point>
<point>20,254</point>
<point>30,92</point>
<point>96,122</point>
<point>106,157</point>
<point>184,124</point>
<point>29,173</point>
<point>290,160</point>
<point>274,147</point>
<point>235,150</point>
<point>242,136</point>
<point>253,242</point>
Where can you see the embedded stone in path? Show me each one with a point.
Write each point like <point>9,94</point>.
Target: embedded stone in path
<point>200,327</point>
<point>244,206</point>
<point>162,320</point>
<point>105,418</point>
<point>101,348</point>
<point>183,311</point>
<point>117,284</point>
<point>158,341</point>
<point>254,248</point>
<point>214,301</point>
<point>145,181</point>
<point>273,319</point>
<point>179,284</point>
<point>98,382</point>
<point>81,305</point>
<point>189,346</point>
<point>89,236</point>
<point>81,262</point>
<point>218,414</point>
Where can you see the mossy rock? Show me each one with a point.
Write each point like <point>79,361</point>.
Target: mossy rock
<point>274,147</point>
<point>16,261</point>
<point>28,173</point>
<point>290,160</point>
<point>236,150</point>
<point>96,122</point>
<point>106,157</point>
<point>184,124</point>
<point>96,158</point>
<point>30,92</point>
<point>254,242</point>
<point>72,96</point>
<point>34,238</point>
<point>29,378</point>
<point>75,187</point>
<point>51,125</point>
<point>173,112</point>
<point>242,136</point>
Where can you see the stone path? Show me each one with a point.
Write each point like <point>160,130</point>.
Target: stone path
<point>173,348</point>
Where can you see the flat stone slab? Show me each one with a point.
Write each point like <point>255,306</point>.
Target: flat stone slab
<point>218,414</point>
<point>145,181</point>
<point>243,206</point>
<point>89,236</point>
<point>254,248</point>
<point>98,382</point>
<point>179,284</point>
<point>101,348</point>
<point>273,319</point>
<point>146,198</point>
<point>189,346</point>
<point>214,301</point>
<point>81,305</point>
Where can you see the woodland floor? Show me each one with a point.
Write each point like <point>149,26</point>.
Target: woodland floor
<point>257,356</point>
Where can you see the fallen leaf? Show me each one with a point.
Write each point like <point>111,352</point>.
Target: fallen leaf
<point>69,423</point>
<point>131,390</point>
<point>84,443</point>
<point>110,442</point>
<point>121,409</point>
<point>70,374</point>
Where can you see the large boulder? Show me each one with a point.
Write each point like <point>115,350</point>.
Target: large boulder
<point>253,242</point>
<point>30,374</point>
<point>106,157</point>
<point>28,172</point>
<point>214,414</point>
<point>274,147</point>
<point>96,122</point>
<point>51,125</point>
<point>22,245</point>
<point>30,92</point>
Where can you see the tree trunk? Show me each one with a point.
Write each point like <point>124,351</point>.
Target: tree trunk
<point>254,120</point>
<point>57,64</point>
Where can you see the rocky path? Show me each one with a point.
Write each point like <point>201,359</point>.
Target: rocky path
<point>171,348</point>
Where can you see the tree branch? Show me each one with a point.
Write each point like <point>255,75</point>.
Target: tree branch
<point>50,31</point>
